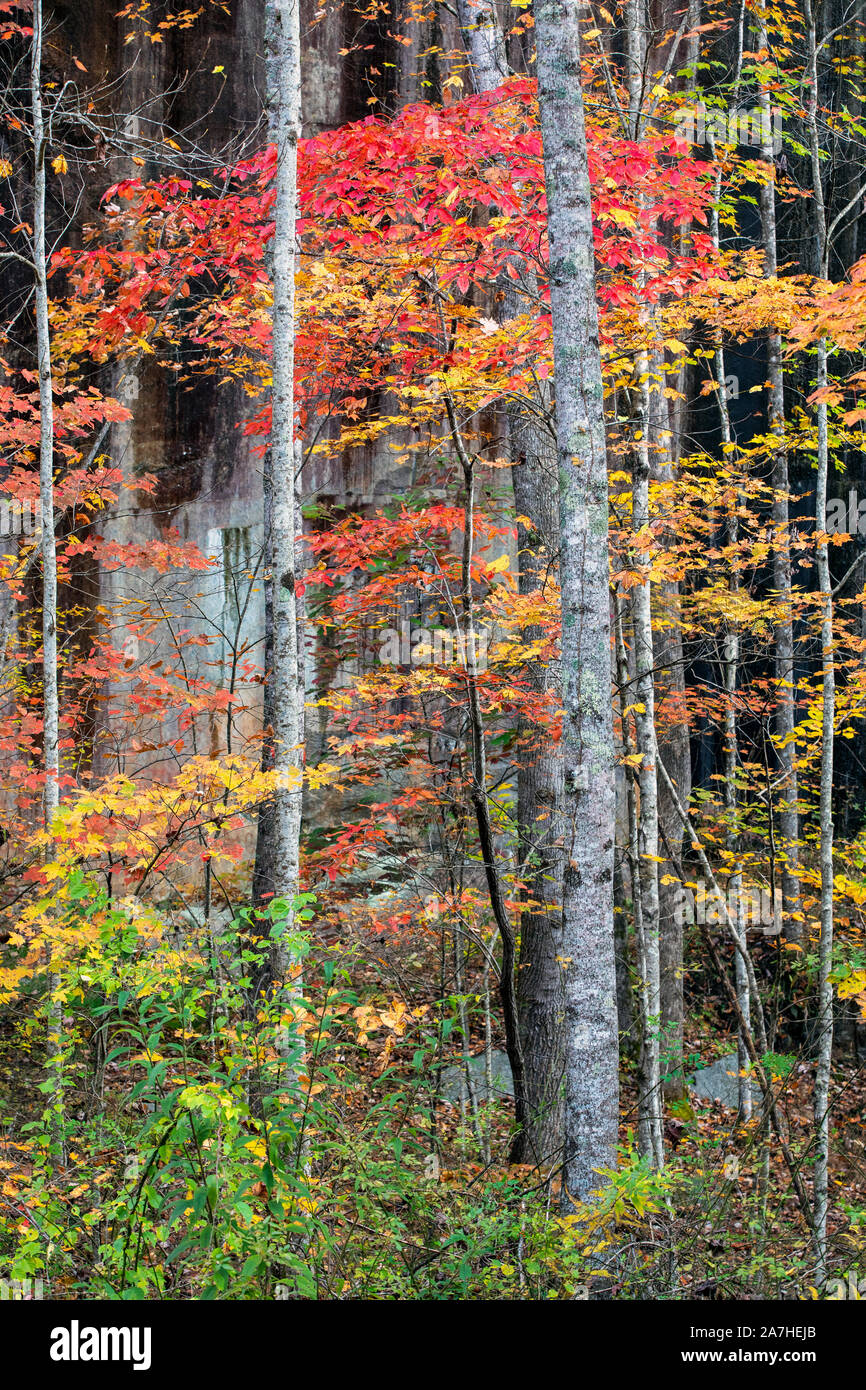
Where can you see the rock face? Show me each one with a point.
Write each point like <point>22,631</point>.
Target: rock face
<point>454,1080</point>
<point>188,436</point>
<point>716,1083</point>
<point>719,1083</point>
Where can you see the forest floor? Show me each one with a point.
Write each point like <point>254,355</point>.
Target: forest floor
<point>723,1223</point>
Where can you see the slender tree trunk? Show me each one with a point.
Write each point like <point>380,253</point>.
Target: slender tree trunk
<point>485,42</point>
<point>828,706</point>
<point>540,987</point>
<point>755,1034</point>
<point>650,1126</point>
<point>284,109</point>
<point>650,1098</point>
<point>50,685</point>
<point>787,820</point>
<point>587,946</point>
<point>51,701</point>
<point>676,750</point>
<point>731,661</point>
<point>481,805</point>
<point>662,654</point>
<point>624,683</point>
<point>825,988</point>
<point>624,998</point>
<point>735,882</point>
<point>635,60</point>
<point>263,885</point>
<point>540,996</point>
<point>668,48</point>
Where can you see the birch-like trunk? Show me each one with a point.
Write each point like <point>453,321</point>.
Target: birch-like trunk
<point>645,44</point>
<point>632,854</point>
<point>669,47</point>
<point>51,700</point>
<point>650,1125</point>
<point>731,663</point>
<point>735,882</point>
<point>485,43</point>
<point>828,707</point>
<point>825,957</point>
<point>788,820</point>
<point>635,60</point>
<point>587,938</point>
<point>539,994</point>
<point>284,110</point>
<point>50,687</point>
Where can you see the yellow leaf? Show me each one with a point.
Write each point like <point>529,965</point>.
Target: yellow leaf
<point>853,985</point>
<point>499,566</point>
<point>59,165</point>
<point>623,217</point>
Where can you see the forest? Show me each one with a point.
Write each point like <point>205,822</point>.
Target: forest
<point>433,651</point>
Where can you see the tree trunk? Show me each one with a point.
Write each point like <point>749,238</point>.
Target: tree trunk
<point>540,996</point>
<point>50,687</point>
<point>788,821</point>
<point>484,41</point>
<point>631,854</point>
<point>649,1099</point>
<point>284,108</point>
<point>731,663</point>
<point>481,803</point>
<point>828,710</point>
<point>587,946</point>
<point>662,654</point>
<point>51,702</point>
<point>825,959</point>
<point>540,987</point>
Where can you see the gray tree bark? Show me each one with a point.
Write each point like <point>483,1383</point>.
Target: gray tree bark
<point>539,994</point>
<point>587,940</point>
<point>50,697</point>
<point>50,679</point>
<point>540,987</point>
<point>650,1128</point>
<point>821,1196</point>
<point>284,111</point>
<point>661,653</point>
<point>485,43</point>
<point>731,664</point>
<point>788,819</point>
